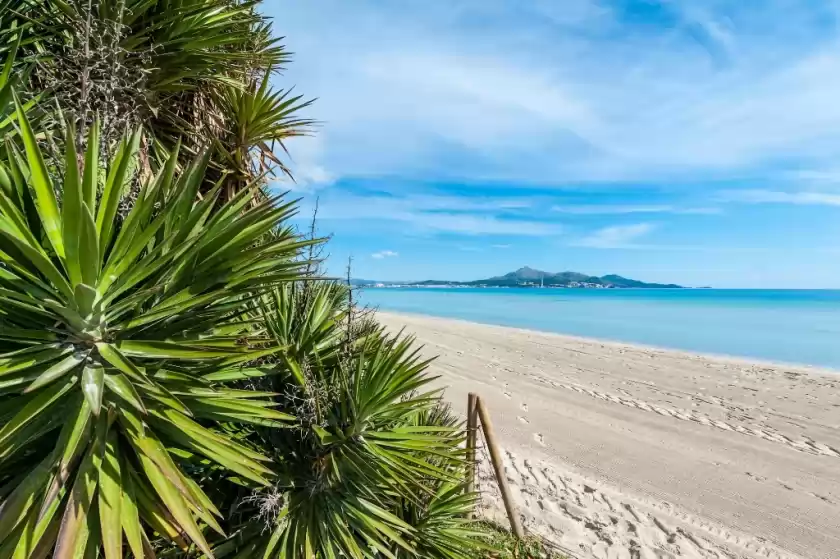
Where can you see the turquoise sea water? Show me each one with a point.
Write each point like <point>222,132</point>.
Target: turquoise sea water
<point>786,326</point>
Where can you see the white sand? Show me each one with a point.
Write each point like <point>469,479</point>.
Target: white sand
<point>619,451</point>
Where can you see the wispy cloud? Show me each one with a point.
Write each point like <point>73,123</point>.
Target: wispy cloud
<point>437,202</point>
<point>616,236</point>
<point>607,209</point>
<point>307,164</point>
<point>829,176</point>
<point>780,197</point>
<point>384,254</point>
<point>613,111</point>
<point>483,225</point>
<point>706,87</point>
<point>501,246</point>
<point>453,214</point>
<point>313,176</point>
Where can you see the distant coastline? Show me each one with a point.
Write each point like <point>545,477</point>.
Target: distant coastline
<point>455,285</point>
<point>526,277</point>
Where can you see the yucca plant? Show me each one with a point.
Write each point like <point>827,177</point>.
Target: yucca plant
<point>184,70</point>
<point>6,88</point>
<point>117,334</point>
<point>256,122</point>
<point>442,528</point>
<point>368,468</point>
<point>10,77</point>
<point>441,518</point>
<point>307,318</point>
<point>163,48</point>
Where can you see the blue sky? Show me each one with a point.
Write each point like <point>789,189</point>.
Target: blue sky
<point>692,141</point>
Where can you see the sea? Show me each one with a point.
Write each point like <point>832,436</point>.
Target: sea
<point>779,326</point>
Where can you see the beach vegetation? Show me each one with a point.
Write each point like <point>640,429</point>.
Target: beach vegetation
<point>166,365</point>
<point>111,330</point>
<point>503,544</point>
<point>372,464</point>
<point>177,378</point>
<point>191,73</point>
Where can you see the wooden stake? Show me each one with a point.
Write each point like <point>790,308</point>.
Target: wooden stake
<point>472,425</point>
<point>499,468</point>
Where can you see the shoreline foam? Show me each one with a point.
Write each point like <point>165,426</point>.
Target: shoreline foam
<point>620,450</point>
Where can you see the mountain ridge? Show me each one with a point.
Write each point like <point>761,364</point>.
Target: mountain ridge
<point>531,277</point>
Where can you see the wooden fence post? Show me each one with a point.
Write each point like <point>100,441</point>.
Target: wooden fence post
<point>499,468</point>
<point>472,426</point>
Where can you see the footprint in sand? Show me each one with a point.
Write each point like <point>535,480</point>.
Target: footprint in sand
<point>539,438</point>
<point>523,406</point>
<point>508,395</point>
<point>821,497</point>
<point>523,419</point>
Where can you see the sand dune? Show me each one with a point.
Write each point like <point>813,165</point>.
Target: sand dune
<point>618,451</point>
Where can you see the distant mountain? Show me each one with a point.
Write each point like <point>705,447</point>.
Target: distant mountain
<point>525,277</point>
<point>530,277</point>
<point>619,281</point>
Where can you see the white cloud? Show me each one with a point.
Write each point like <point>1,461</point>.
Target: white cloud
<point>500,246</point>
<point>384,254</point>
<point>616,236</point>
<point>757,196</point>
<point>307,153</point>
<point>607,209</point>
<point>436,202</point>
<point>538,92</point>
<point>313,175</point>
<point>829,176</point>
<point>482,225</point>
<point>700,211</point>
<point>428,213</point>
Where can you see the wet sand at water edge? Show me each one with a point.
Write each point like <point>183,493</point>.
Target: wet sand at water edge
<point>620,451</point>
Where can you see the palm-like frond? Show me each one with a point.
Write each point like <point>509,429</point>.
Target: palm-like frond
<point>7,83</point>
<point>11,74</point>
<point>157,365</point>
<point>306,318</point>
<point>442,528</point>
<point>441,518</point>
<point>186,42</point>
<point>185,70</point>
<point>355,451</point>
<point>111,332</point>
<point>257,120</point>
<point>371,466</point>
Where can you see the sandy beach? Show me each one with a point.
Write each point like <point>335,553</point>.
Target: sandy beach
<point>621,451</point>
